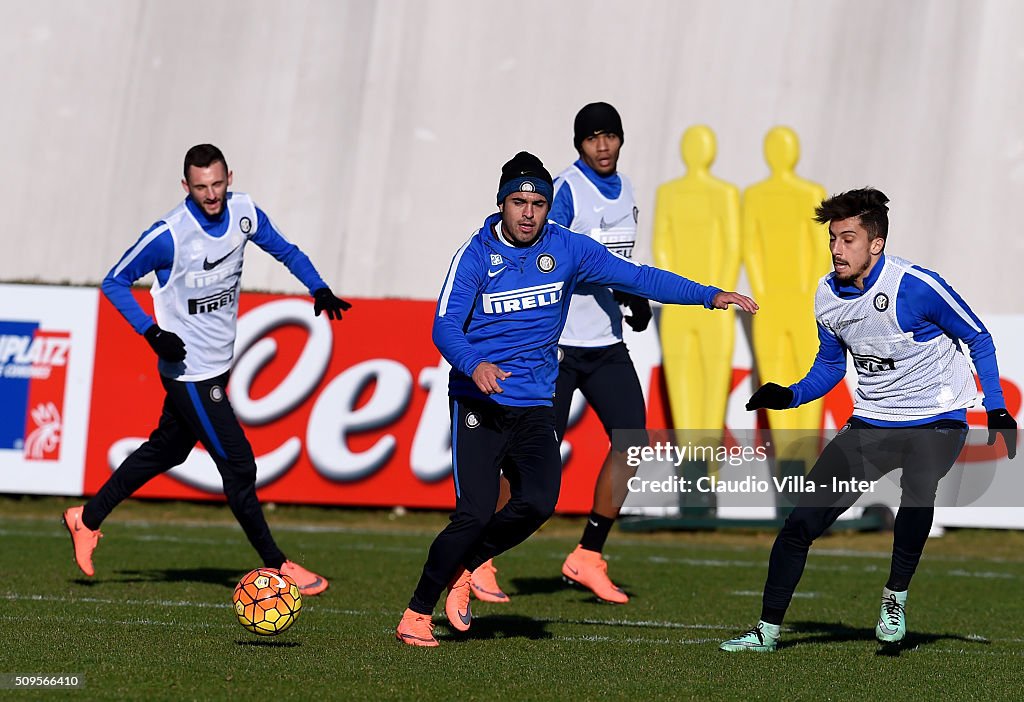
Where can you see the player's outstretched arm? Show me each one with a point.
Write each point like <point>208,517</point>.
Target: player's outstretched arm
<point>723,299</point>
<point>598,265</point>
<point>325,301</point>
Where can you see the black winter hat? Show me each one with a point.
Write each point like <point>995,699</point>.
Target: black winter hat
<point>524,172</point>
<point>595,118</point>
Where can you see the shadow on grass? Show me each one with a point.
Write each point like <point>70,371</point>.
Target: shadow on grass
<point>550,585</point>
<point>214,576</point>
<point>537,586</point>
<point>268,643</point>
<point>826,632</point>
<point>499,626</point>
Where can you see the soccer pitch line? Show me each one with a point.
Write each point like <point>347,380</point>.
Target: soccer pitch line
<point>758,593</point>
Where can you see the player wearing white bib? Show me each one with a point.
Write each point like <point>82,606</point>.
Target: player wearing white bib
<point>903,326</point>
<point>593,198</point>
<point>196,252</point>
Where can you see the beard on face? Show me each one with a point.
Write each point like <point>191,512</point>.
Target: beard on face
<point>204,206</point>
<point>853,274</point>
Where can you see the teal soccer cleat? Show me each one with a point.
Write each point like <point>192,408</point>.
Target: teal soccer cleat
<point>892,620</point>
<point>763,637</point>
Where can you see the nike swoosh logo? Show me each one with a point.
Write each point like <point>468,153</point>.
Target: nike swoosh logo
<point>417,638</point>
<point>847,322</point>
<point>466,617</point>
<point>885,628</point>
<point>606,225</point>
<point>592,522</point>
<point>491,274</point>
<point>208,265</point>
<point>315,583</point>
<point>598,209</point>
<point>572,570</point>
<point>499,593</point>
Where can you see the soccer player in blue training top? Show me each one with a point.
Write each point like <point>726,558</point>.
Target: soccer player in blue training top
<point>901,324</point>
<point>593,198</point>
<point>196,251</point>
<point>499,317</point>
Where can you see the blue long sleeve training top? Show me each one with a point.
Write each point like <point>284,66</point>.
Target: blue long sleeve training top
<point>507,305</point>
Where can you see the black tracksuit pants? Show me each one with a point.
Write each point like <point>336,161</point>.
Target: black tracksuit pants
<point>866,452</point>
<point>194,412</point>
<point>487,439</point>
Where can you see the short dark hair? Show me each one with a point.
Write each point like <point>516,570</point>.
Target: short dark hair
<point>867,203</point>
<point>203,156</point>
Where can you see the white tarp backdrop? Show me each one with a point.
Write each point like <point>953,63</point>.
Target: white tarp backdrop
<point>373,132</point>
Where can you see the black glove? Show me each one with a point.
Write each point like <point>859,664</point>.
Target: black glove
<point>639,310</point>
<point>167,345</point>
<point>1001,422</point>
<point>325,301</point>
<point>770,396</point>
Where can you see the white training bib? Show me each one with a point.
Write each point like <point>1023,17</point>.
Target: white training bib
<point>898,379</point>
<point>595,319</point>
<point>199,301</point>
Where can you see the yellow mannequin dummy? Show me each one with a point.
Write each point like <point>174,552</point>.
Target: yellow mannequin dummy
<point>785,253</point>
<point>697,235</point>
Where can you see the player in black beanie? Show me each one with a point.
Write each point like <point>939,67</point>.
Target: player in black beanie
<point>524,172</point>
<point>596,118</point>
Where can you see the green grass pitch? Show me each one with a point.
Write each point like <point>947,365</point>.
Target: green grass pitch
<point>156,621</point>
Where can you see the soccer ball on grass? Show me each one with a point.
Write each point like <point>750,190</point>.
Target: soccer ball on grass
<point>267,601</point>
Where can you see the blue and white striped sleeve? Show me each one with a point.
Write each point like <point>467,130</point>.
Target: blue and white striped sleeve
<point>153,252</point>
<point>454,306</point>
<point>269,238</point>
<point>827,371</point>
<point>924,295</point>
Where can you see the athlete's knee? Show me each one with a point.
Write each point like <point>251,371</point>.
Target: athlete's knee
<point>539,505</point>
<point>471,521</point>
<point>802,527</point>
<point>159,450</point>
<point>237,477</point>
<point>918,492</point>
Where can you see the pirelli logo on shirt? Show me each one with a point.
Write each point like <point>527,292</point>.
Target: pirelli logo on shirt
<point>873,364</point>
<point>619,244</point>
<point>212,303</point>
<point>523,298</point>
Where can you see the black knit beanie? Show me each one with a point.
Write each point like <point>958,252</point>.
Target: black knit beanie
<point>524,173</point>
<point>595,118</point>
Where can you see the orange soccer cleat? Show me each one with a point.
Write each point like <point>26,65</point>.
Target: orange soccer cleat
<point>309,582</point>
<point>415,629</point>
<point>456,605</point>
<point>83,539</point>
<point>484,584</point>
<point>589,569</point>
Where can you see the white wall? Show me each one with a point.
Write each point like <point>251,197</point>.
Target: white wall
<point>373,132</point>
